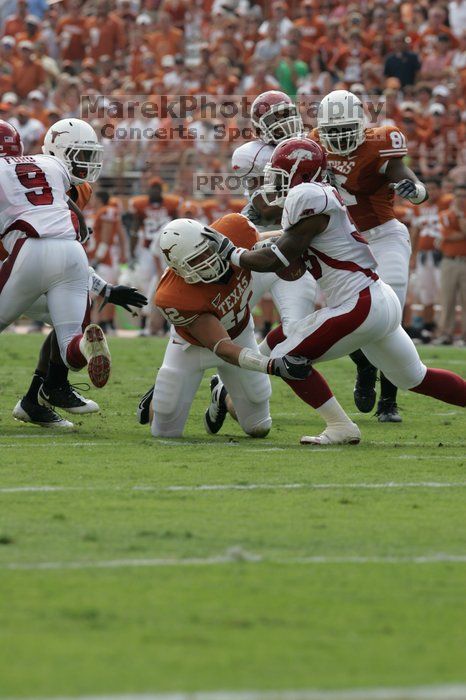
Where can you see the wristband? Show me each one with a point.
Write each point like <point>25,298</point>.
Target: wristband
<point>215,348</point>
<point>235,256</point>
<point>276,250</point>
<point>420,195</point>
<point>96,283</point>
<point>248,359</point>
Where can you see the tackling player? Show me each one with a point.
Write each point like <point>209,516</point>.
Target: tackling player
<point>207,301</point>
<point>363,312</point>
<point>367,168</point>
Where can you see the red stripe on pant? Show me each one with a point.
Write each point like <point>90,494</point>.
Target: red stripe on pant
<point>334,329</point>
<point>443,385</point>
<point>5,270</point>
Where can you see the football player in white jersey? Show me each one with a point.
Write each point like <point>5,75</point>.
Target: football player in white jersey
<point>363,312</point>
<point>275,118</point>
<point>42,231</point>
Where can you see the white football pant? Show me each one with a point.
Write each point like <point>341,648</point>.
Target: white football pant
<point>57,268</point>
<point>293,300</point>
<point>369,321</point>
<point>181,373</point>
<point>391,246</point>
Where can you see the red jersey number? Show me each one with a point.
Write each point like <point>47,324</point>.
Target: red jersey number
<point>33,178</point>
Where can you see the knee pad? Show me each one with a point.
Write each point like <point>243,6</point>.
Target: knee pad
<point>261,429</point>
<point>408,378</point>
<point>167,392</point>
<point>258,387</point>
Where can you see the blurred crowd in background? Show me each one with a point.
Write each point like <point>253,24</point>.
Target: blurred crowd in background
<point>411,54</point>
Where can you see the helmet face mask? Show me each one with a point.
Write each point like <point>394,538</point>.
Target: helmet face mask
<point>342,139</point>
<point>341,122</point>
<point>276,186</point>
<point>204,265</point>
<point>84,162</point>
<point>275,117</point>
<point>280,123</point>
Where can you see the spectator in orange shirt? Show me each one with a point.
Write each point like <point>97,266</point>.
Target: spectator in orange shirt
<point>348,62</point>
<point>436,64</point>
<point>36,100</point>
<point>310,25</point>
<point>28,73</point>
<point>436,26</point>
<point>105,32</point>
<point>16,23</point>
<point>331,44</point>
<point>32,31</point>
<point>453,284</point>
<point>167,39</point>
<point>73,33</point>
<point>433,151</point>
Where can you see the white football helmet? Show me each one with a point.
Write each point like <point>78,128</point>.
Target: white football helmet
<point>189,254</point>
<point>341,122</point>
<point>75,143</point>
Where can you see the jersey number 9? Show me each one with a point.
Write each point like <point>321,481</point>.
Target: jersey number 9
<point>33,178</point>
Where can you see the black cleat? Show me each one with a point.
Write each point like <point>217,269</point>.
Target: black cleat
<point>30,412</point>
<point>144,407</point>
<point>66,397</point>
<point>364,389</point>
<point>215,415</point>
<point>387,411</point>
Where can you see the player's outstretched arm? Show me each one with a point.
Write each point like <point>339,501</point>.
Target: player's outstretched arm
<point>405,183</point>
<point>208,330</point>
<point>290,246</point>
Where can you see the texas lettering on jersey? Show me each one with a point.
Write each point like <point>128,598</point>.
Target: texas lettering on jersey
<point>182,303</point>
<point>359,177</point>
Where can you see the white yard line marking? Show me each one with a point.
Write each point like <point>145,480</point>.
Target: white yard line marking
<point>435,692</point>
<point>52,443</point>
<point>240,487</point>
<point>232,556</point>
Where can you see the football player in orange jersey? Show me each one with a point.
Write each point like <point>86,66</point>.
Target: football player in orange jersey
<point>366,166</point>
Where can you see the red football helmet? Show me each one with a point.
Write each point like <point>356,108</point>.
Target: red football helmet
<point>10,140</point>
<point>275,117</point>
<point>294,161</point>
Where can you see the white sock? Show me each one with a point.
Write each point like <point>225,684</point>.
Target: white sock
<point>332,413</point>
<point>264,348</point>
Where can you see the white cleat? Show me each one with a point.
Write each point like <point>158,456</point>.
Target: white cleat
<point>93,346</point>
<point>29,412</point>
<point>347,434</point>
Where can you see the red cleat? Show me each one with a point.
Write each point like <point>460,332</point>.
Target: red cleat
<point>93,346</point>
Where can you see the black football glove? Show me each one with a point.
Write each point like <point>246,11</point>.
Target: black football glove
<point>124,296</point>
<point>219,243</point>
<point>290,367</point>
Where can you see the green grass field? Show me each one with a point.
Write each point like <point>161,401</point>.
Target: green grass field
<point>300,568</point>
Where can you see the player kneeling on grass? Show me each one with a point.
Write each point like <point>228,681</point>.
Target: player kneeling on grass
<point>363,312</point>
